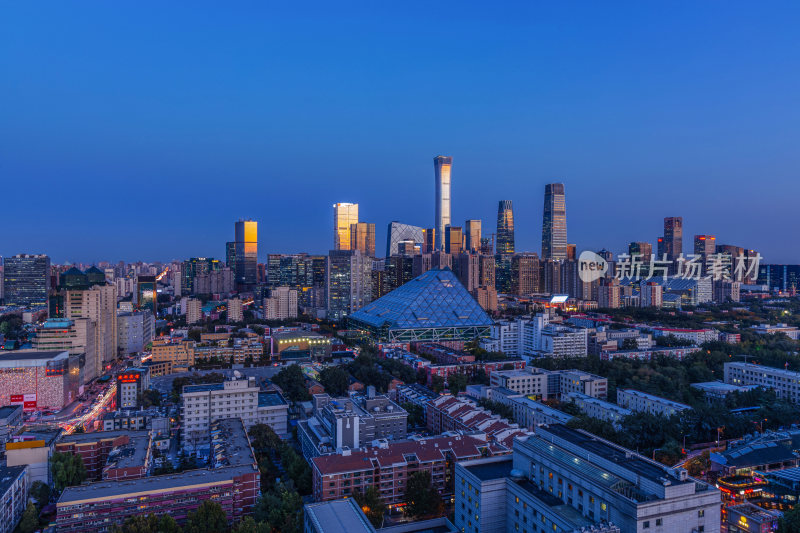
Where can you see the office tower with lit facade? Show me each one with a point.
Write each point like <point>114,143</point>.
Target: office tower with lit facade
<point>442,166</point>
<point>344,216</point>
<point>349,282</point>
<point>554,222</point>
<point>642,249</point>
<point>362,238</point>
<point>428,240</point>
<point>505,227</point>
<point>26,280</point>
<point>472,236</point>
<point>525,272</point>
<point>453,239</point>
<point>398,232</point>
<point>194,267</point>
<point>246,271</point>
<point>705,245</point>
<point>671,244</point>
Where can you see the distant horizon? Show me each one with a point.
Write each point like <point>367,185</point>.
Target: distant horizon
<point>141,137</point>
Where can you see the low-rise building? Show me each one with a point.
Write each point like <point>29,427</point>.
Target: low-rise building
<point>642,402</point>
<point>764,452</point>
<point>388,467</point>
<point>350,423</point>
<point>39,380</point>
<point>10,419</point>
<point>785,383</point>
<point>528,413</point>
<point>750,518</point>
<point>131,383</point>
<point>450,413</point>
<point>238,397</point>
<point>790,331</point>
<point>717,390</point>
<point>599,409</point>
<point>122,454</point>
<point>294,343</point>
<point>232,480</point>
<point>33,449</point>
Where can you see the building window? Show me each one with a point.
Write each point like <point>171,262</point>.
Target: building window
<point>701,513</point>
<point>658,521</point>
<point>646,524</point>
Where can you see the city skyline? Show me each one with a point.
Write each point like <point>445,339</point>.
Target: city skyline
<point>543,98</point>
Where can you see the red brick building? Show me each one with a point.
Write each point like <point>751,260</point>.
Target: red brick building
<point>451,413</point>
<point>389,467</point>
<point>233,481</point>
<point>129,448</point>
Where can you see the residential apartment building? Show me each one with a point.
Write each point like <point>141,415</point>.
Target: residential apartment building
<point>14,489</point>
<point>566,480</point>
<point>596,408</point>
<point>388,467</point>
<point>641,402</point>
<point>350,423</point>
<point>235,312</point>
<point>232,481</point>
<point>785,383</point>
<point>582,382</point>
<point>281,304</point>
<point>98,304</point>
<point>238,397</point>
<point>176,351</point>
<point>527,382</point>
<point>450,413</point>
<point>194,311</point>
<point>528,413</point>
<point>136,331</point>
<point>131,383</point>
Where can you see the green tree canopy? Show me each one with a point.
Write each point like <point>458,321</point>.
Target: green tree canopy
<point>208,518</point>
<point>421,498</point>
<point>372,505</point>
<point>67,469</point>
<point>335,380</point>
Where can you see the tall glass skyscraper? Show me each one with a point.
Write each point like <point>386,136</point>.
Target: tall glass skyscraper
<point>554,222</point>
<point>671,244</point>
<point>246,257</point>
<point>505,227</point>
<point>344,216</point>
<point>26,279</point>
<point>442,166</point>
<point>472,236</point>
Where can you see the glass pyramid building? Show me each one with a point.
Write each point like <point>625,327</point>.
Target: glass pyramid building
<point>432,307</point>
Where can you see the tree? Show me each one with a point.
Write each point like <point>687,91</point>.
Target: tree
<point>293,383</point>
<point>248,525</point>
<point>335,380</point>
<point>416,414</point>
<point>457,382</point>
<point>150,397</point>
<point>30,519</point>
<point>41,492</point>
<point>629,344</point>
<point>372,505</point>
<point>67,469</point>
<point>209,518</point>
<point>420,497</point>
<point>790,522</point>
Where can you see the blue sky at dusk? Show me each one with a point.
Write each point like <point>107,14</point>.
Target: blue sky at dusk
<point>143,130</point>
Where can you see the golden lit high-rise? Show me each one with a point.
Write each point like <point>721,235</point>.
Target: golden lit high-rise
<point>441,167</point>
<point>344,215</point>
<point>362,238</point>
<point>246,255</point>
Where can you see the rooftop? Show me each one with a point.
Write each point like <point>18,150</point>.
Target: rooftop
<point>8,475</point>
<point>433,299</point>
<point>31,355</point>
<point>338,516</point>
<point>486,470</point>
<point>270,399</point>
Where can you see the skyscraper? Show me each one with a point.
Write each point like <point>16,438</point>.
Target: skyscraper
<point>398,232</point>
<point>362,238</point>
<point>554,222</point>
<point>246,270</point>
<point>505,227</point>
<point>442,166</point>
<point>643,249</point>
<point>453,239</point>
<point>671,243</point>
<point>349,282</point>
<point>472,236</point>
<point>344,216</point>
<point>705,245</point>
<point>26,280</point>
